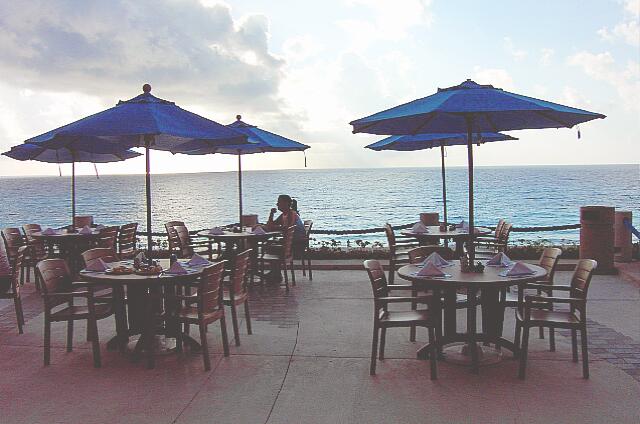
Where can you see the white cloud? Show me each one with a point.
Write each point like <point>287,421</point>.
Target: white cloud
<point>545,56</point>
<point>602,67</point>
<point>300,48</point>
<point>499,78</point>
<point>518,54</point>
<point>628,29</point>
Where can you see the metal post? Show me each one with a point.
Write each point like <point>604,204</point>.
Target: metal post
<point>147,142</point>
<point>444,186</point>
<point>239,189</point>
<point>73,194</point>
<point>470,247</point>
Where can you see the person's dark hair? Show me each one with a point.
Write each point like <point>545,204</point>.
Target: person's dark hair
<point>294,205</point>
<point>286,198</point>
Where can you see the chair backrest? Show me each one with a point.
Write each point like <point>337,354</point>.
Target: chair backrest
<point>184,239</point>
<point>13,240</point>
<point>15,277</point>
<point>391,237</point>
<point>582,278</point>
<point>210,288</point>
<point>238,273</point>
<point>549,261</point>
<point>54,277</point>
<point>419,254</point>
<point>38,249</point>
<point>80,221</point>
<point>107,237</point>
<point>377,277</point>
<point>127,238</point>
<point>504,234</point>
<point>308,224</point>
<point>172,236</point>
<point>287,242</point>
<point>499,227</point>
<point>104,253</point>
<point>29,229</point>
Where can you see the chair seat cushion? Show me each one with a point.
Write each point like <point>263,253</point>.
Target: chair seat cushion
<point>81,312</point>
<point>405,316</point>
<point>556,317</point>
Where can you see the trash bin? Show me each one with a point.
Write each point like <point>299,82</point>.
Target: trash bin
<point>597,236</point>
<point>623,245</point>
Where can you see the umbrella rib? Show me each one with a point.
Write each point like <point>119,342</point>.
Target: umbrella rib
<point>423,124</point>
<point>490,121</point>
<point>544,115</point>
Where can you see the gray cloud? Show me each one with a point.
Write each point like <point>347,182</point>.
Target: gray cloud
<point>109,48</point>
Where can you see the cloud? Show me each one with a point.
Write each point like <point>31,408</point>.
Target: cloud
<point>300,48</point>
<point>197,53</point>
<point>518,54</point>
<point>628,29</point>
<point>602,67</point>
<point>545,56</point>
<point>499,78</point>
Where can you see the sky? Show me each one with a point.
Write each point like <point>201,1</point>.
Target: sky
<point>305,69</point>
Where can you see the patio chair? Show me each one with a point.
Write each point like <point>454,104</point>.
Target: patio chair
<point>549,261</point>
<point>14,240</point>
<point>283,255</point>
<point>305,253</point>
<point>398,250</point>
<point>107,238</point>
<point>383,318</point>
<point>127,240</point>
<point>235,292</point>
<point>182,244</point>
<point>37,250</point>
<point>488,248</point>
<point>493,237</point>
<point>58,289</point>
<point>537,313</point>
<point>208,308</point>
<point>11,277</point>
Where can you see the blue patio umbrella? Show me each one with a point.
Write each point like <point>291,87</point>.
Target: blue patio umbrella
<point>471,108</point>
<point>143,121</point>
<point>408,143</point>
<point>260,141</point>
<point>27,151</point>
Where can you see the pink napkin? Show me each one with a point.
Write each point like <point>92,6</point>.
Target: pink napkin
<point>216,231</point>
<point>97,265</point>
<point>86,230</point>
<point>500,260</point>
<point>176,269</point>
<point>258,231</point>
<point>436,259</point>
<point>520,269</point>
<point>49,232</point>
<point>419,228</point>
<point>430,270</point>
<point>197,260</point>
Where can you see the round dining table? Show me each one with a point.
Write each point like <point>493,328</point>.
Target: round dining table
<point>144,299</point>
<point>458,235</point>
<point>71,243</point>
<point>489,284</point>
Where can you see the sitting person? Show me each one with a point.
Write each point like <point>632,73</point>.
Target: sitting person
<point>289,217</point>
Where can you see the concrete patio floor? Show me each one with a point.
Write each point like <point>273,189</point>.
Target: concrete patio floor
<point>308,362</point>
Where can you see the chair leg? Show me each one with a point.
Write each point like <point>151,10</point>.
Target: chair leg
<point>225,338</point>
<point>414,306</point>
<point>95,342</point>
<point>286,277</point>
<point>552,340</point>
<point>179,339</point>
<point>205,347</point>
<point>47,341</point>
<point>541,332</point>
<point>309,268</point>
<point>523,353</point>
<point>234,323</point>
<point>374,351</point>
<point>247,316</point>
<point>574,345</point>
<point>293,273</point>
<point>585,353</point>
<point>19,314</point>
<point>517,338</point>
<point>70,335</point>
<point>304,268</point>
<point>433,354</point>
<point>392,270</point>
<point>383,339</point>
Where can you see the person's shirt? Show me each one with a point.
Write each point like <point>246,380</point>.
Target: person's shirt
<point>292,218</point>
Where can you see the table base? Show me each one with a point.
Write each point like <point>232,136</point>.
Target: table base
<point>162,345</point>
<point>458,353</point>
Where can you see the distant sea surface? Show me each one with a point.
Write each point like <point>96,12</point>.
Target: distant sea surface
<point>335,199</point>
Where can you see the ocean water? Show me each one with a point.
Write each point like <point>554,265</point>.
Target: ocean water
<point>333,198</point>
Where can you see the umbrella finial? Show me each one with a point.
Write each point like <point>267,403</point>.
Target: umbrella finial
<point>238,117</point>
<point>146,88</point>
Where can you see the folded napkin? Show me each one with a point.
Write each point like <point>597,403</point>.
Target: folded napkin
<point>419,228</point>
<point>100,227</point>
<point>97,265</point>
<point>430,270</point>
<point>141,257</point>
<point>520,268</point>
<point>463,225</point>
<point>86,230</point>
<point>176,269</point>
<point>435,259</point>
<point>500,260</point>
<point>258,231</point>
<point>49,232</point>
<point>197,260</point>
<point>216,231</point>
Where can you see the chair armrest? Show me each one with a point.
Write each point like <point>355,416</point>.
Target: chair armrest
<point>529,300</point>
<point>547,287</point>
<point>401,287</point>
<point>83,293</point>
<point>399,299</point>
<point>188,299</point>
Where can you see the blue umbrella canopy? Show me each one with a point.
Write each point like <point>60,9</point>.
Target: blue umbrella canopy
<point>489,109</point>
<point>259,141</point>
<point>471,108</point>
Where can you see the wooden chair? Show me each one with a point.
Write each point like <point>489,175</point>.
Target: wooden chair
<point>549,261</point>
<point>493,237</point>
<point>14,240</point>
<point>537,313</point>
<point>235,292</point>
<point>398,251</point>
<point>58,289</point>
<point>488,248</point>
<point>13,291</point>
<point>37,250</point>
<point>182,244</point>
<point>208,308</point>
<point>107,238</point>
<point>127,240</point>
<point>282,255</point>
<point>305,252</point>
<point>383,318</point>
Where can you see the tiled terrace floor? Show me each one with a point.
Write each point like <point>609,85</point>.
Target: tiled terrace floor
<point>307,362</point>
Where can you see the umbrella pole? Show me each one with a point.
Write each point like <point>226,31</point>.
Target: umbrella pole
<point>147,142</point>
<point>444,185</point>
<point>239,189</point>
<point>73,196</point>
<point>470,246</point>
